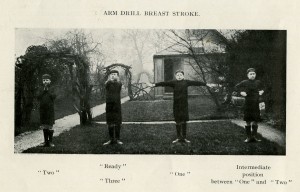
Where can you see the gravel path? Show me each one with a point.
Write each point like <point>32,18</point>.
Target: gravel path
<point>267,132</point>
<point>32,139</point>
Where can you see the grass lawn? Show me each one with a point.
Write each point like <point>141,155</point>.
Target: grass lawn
<point>162,110</point>
<point>210,138</point>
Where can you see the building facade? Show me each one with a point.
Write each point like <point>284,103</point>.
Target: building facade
<point>208,49</point>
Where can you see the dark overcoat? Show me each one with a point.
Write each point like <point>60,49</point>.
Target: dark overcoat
<point>113,102</point>
<point>46,99</point>
<point>180,97</point>
<point>251,107</point>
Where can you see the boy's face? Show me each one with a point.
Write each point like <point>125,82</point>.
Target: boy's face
<point>251,75</point>
<point>179,76</point>
<point>46,82</point>
<point>114,76</point>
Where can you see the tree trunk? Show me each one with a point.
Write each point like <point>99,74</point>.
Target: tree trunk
<point>87,104</point>
<point>130,94</point>
<point>215,99</point>
<point>85,91</point>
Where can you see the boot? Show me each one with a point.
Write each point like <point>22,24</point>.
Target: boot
<point>178,132</point>
<point>111,135</point>
<point>254,133</point>
<point>50,132</point>
<point>108,142</point>
<point>46,141</point>
<point>248,132</point>
<point>118,130</point>
<point>184,127</point>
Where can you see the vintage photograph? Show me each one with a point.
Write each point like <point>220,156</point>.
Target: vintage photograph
<point>150,91</point>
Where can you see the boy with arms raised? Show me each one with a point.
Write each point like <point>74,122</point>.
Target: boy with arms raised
<point>113,88</point>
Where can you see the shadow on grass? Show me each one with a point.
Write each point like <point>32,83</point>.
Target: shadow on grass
<point>211,138</point>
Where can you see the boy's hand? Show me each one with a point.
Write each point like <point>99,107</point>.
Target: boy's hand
<point>261,92</point>
<point>209,85</point>
<point>244,94</point>
<point>150,84</point>
<point>46,87</point>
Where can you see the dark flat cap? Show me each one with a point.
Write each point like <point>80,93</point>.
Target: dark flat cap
<point>250,70</point>
<point>46,76</point>
<point>114,71</point>
<point>179,71</point>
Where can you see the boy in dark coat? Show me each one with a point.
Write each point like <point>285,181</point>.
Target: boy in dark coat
<point>251,89</point>
<point>46,98</point>
<point>113,88</point>
<point>180,102</point>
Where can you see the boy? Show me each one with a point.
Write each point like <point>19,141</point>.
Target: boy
<point>46,98</point>
<point>113,88</point>
<point>180,102</point>
<point>251,89</point>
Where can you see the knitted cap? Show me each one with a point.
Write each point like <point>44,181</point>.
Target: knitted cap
<point>250,70</point>
<point>46,76</point>
<point>179,71</point>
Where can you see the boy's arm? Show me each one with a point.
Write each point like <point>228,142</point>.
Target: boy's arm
<point>163,84</point>
<point>40,93</point>
<point>53,91</point>
<point>239,87</point>
<point>53,95</point>
<point>121,86</point>
<point>195,83</point>
<point>260,88</point>
<point>107,84</point>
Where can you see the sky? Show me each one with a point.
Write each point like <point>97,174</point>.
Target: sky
<point>113,45</point>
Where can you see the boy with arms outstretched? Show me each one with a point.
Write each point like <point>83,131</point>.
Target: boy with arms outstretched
<point>251,89</point>
<point>180,102</point>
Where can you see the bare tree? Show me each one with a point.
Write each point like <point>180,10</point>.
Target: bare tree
<point>139,39</point>
<point>158,39</point>
<point>81,48</point>
<point>204,58</point>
